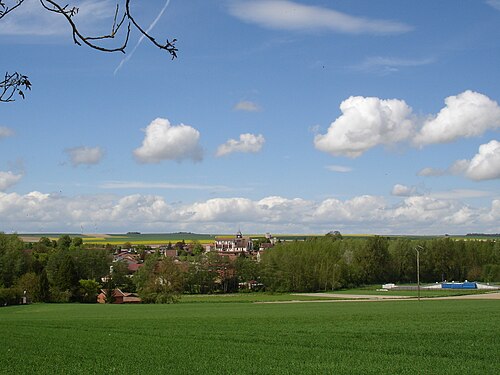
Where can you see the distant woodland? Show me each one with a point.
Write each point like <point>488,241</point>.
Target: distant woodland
<point>67,270</point>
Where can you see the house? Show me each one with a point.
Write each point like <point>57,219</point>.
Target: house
<point>132,261</point>
<point>119,297</point>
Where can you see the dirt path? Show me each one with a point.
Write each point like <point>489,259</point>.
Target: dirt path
<point>495,295</point>
<point>339,298</point>
<point>351,296</point>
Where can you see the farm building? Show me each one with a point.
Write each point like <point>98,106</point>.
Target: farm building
<point>119,297</point>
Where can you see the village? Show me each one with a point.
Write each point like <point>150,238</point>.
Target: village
<point>227,247</point>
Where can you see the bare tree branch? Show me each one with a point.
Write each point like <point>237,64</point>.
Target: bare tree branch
<point>4,9</point>
<point>168,46</point>
<point>12,84</point>
<point>122,20</point>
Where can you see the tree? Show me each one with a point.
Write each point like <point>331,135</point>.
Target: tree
<point>334,235</point>
<point>44,287</point>
<point>15,84</point>
<point>197,248</point>
<point>89,290</point>
<point>77,242</point>
<point>121,277</point>
<point>13,261</point>
<point>374,260</point>
<point>63,276</point>
<point>29,284</point>
<point>64,242</point>
<point>160,280</point>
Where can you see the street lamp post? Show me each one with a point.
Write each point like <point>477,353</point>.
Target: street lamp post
<point>418,269</point>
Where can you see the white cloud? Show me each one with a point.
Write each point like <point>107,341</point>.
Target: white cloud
<point>247,106</point>
<point>404,191</point>
<point>424,209</point>
<point>338,168</point>
<point>290,15</point>
<point>8,179</point>
<point>365,208</point>
<point>466,115</point>
<point>494,3</point>
<point>5,132</point>
<point>31,19</point>
<point>247,143</point>
<point>366,123</point>
<point>493,215</point>
<point>387,65</point>
<point>169,142</point>
<point>428,171</point>
<point>38,211</point>
<point>85,155</point>
<point>485,165</point>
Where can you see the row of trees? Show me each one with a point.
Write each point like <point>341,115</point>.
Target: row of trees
<point>330,263</point>
<point>68,271</point>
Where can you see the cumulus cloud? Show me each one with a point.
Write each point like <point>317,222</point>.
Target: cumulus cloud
<point>468,114</point>
<point>338,168</point>
<point>485,165</point>
<point>85,155</point>
<point>8,179</point>
<point>31,19</point>
<point>366,123</point>
<point>164,141</point>
<point>5,132</point>
<point>404,191</point>
<point>290,15</point>
<point>246,106</point>
<point>37,211</point>
<point>365,208</point>
<point>248,143</point>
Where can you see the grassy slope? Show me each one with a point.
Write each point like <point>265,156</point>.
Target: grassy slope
<point>434,337</point>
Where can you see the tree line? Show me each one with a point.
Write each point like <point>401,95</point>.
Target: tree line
<point>330,263</point>
<point>66,270</point>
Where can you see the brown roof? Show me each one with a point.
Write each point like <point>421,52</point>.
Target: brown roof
<point>132,267</point>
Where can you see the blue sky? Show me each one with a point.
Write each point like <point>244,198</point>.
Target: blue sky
<point>278,116</point>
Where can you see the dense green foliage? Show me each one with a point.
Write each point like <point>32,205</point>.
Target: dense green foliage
<point>405,337</point>
<point>51,271</point>
<point>328,264</point>
<point>159,281</point>
<point>68,270</point>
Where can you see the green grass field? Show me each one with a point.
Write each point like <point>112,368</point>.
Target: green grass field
<point>405,337</point>
<point>248,298</point>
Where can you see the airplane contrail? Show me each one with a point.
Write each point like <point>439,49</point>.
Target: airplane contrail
<point>153,24</point>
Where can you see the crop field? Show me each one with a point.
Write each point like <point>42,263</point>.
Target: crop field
<point>135,239</point>
<point>405,337</point>
<point>165,238</point>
